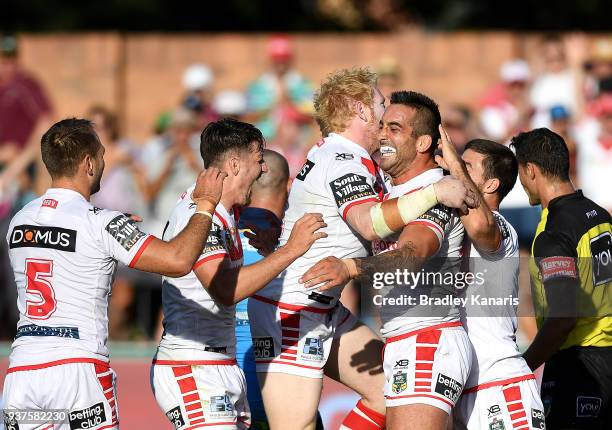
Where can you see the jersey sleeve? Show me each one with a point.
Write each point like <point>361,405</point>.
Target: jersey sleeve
<point>350,182</point>
<point>216,245</point>
<point>437,219</point>
<point>508,245</point>
<point>555,257</point>
<point>122,239</point>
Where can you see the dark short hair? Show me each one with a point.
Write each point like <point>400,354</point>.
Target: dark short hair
<point>427,117</point>
<point>65,145</point>
<point>544,148</point>
<point>499,162</point>
<point>227,134</point>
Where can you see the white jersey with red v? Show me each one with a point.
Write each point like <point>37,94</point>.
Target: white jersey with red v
<point>337,175</point>
<point>196,327</point>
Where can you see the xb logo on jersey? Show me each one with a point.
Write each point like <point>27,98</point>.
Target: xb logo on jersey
<point>400,382</point>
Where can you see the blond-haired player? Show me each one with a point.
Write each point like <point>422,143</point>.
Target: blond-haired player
<point>298,333</point>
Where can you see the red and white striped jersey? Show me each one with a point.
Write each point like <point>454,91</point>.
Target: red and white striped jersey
<point>196,327</point>
<point>337,175</point>
<point>492,329</point>
<point>64,252</point>
<point>446,225</point>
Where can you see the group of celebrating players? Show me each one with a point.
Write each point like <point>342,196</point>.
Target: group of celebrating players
<point>372,197</point>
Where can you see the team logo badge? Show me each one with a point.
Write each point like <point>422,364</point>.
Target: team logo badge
<point>313,346</point>
<point>400,382</point>
<point>497,424</point>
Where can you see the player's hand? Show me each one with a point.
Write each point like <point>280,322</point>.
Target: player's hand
<point>452,193</point>
<point>450,159</point>
<point>263,239</point>
<point>133,217</point>
<point>304,233</point>
<point>330,272</point>
<point>209,186</point>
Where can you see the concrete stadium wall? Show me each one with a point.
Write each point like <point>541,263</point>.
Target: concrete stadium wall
<point>140,75</point>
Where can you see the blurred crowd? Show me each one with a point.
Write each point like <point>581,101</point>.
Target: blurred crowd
<point>567,87</point>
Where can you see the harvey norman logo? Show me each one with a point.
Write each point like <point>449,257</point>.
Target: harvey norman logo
<point>32,236</point>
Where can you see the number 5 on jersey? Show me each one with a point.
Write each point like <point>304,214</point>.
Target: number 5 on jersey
<point>38,274</point>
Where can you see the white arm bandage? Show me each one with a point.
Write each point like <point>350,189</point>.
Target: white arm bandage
<point>410,207</point>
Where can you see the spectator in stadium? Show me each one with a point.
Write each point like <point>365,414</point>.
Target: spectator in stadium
<point>123,184</point>
<point>505,108</point>
<point>561,122</point>
<point>559,79</point>
<point>389,75</point>
<point>25,112</point>
<point>172,161</point>
<point>571,277</point>
<point>198,80</point>
<point>598,67</point>
<point>458,121</point>
<point>230,104</point>
<point>594,157</point>
<point>280,104</point>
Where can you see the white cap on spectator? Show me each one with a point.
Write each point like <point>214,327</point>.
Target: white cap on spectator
<point>230,103</point>
<point>197,77</point>
<point>515,71</point>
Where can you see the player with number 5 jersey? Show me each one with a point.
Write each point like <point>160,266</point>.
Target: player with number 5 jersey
<point>64,252</point>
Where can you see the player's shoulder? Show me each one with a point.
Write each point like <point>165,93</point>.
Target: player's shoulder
<point>506,229</point>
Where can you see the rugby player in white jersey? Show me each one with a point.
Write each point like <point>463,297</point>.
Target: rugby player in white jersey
<point>501,391</point>
<point>195,377</point>
<point>64,252</point>
<point>427,353</point>
<point>300,333</point>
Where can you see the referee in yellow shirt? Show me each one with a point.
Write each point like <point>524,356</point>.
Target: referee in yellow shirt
<point>571,278</point>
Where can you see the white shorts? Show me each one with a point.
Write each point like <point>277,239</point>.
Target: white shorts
<point>513,406</point>
<point>427,366</point>
<point>295,339</point>
<point>84,387</point>
<point>194,396</point>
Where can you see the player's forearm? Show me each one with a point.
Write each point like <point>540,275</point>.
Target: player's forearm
<point>248,280</point>
<point>550,338</point>
<point>479,223</point>
<point>360,220</point>
<point>481,227</point>
<point>380,220</point>
<point>189,243</point>
<point>405,257</point>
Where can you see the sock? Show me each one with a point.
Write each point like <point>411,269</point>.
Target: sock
<point>363,418</point>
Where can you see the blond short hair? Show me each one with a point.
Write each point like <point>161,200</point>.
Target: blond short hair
<point>334,102</point>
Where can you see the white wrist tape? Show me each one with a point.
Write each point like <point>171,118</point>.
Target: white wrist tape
<point>410,207</point>
<point>416,204</point>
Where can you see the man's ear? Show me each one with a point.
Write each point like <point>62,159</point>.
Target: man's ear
<point>88,165</point>
<point>531,171</point>
<point>234,165</point>
<point>423,143</point>
<point>362,111</point>
<point>490,186</point>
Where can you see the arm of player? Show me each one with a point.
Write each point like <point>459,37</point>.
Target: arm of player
<point>479,222</point>
<point>176,257</point>
<point>562,286</point>
<point>416,244</point>
<point>379,220</point>
<point>229,286</point>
